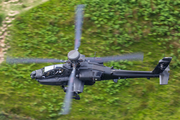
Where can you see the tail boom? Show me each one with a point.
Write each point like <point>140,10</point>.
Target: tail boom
<point>161,71</point>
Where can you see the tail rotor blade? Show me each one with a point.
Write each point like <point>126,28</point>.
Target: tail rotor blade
<point>79,21</point>
<point>69,92</point>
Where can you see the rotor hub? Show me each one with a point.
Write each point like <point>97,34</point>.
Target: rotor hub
<point>73,55</point>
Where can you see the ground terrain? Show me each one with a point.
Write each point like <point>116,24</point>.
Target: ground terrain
<point>9,9</point>
<point>110,28</point>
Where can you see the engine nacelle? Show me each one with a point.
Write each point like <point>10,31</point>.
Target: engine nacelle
<point>85,75</point>
<point>89,75</point>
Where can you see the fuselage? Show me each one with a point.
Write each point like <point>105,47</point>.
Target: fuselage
<point>87,72</point>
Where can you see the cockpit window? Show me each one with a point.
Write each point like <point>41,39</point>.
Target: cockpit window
<point>47,68</point>
<point>53,70</point>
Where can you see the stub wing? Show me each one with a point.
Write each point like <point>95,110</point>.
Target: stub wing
<point>161,71</point>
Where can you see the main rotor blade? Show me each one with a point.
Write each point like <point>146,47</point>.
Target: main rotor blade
<point>134,56</point>
<point>32,60</point>
<point>69,92</point>
<point>79,21</point>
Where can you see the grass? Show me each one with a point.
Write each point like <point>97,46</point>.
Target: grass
<point>47,31</point>
<point>8,116</point>
<point>14,6</point>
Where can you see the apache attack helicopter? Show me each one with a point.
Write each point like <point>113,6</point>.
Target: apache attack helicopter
<point>79,70</point>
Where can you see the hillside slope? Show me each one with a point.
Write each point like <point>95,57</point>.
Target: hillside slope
<point>110,27</point>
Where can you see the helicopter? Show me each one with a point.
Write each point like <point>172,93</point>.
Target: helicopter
<point>79,70</point>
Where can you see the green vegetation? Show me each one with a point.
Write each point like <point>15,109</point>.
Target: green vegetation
<point>110,27</point>
<point>1,18</point>
<point>5,116</point>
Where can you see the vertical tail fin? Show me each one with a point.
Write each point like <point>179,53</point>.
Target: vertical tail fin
<point>162,69</point>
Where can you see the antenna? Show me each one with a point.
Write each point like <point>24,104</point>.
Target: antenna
<point>94,54</point>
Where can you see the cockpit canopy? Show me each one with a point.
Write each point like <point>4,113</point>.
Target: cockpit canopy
<point>53,70</point>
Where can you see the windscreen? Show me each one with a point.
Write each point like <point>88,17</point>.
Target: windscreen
<point>47,68</point>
